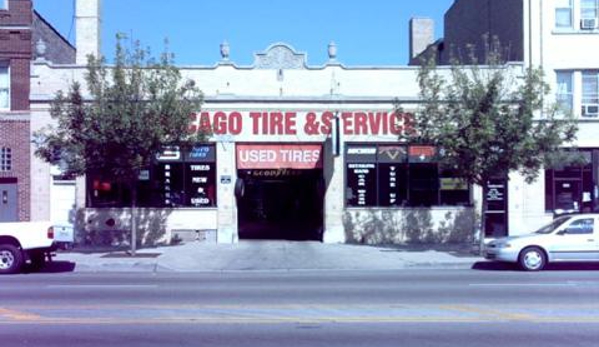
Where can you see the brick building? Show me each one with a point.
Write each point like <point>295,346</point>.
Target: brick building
<point>24,36</point>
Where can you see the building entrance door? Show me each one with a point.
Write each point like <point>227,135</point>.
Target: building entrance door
<point>280,192</point>
<point>8,202</point>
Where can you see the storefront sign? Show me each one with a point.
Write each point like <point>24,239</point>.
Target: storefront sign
<point>279,156</point>
<point>421,154</point>
<point>301,123</point>
<point>361,179</point>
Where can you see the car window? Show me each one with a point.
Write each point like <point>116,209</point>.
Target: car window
<point>551,227</point>
<point>581,226</point>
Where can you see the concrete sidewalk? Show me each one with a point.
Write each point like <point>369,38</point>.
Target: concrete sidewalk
<point>271,256</point>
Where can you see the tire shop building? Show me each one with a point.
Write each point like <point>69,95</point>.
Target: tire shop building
<point>305,152</point>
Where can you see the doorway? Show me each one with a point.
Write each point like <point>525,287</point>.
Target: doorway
<point>280,204</point>
<point>8,202</point>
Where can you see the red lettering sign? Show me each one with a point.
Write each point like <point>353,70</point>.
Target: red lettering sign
<point>305,123</point>
<point>292,156</point>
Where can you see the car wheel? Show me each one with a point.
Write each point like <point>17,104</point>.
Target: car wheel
<point>532,259</point>
<point>38,260</point>
<point>11,259</point>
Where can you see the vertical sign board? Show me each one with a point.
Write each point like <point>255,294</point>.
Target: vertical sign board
<point>170,176</point>
<point>187,177</point>
<point>392,175</point>
<point>361,175</point>
<point>200,176</point>
<point>496,214</point>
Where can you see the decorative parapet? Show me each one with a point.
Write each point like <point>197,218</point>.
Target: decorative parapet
<point>280,56</point>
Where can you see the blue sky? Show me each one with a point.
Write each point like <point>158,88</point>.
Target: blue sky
<point>373,32</point>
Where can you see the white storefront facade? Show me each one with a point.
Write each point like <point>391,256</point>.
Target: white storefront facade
<point>307,152</point>
<point>297,152</point>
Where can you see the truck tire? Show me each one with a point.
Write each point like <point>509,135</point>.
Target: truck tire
<point>38,260</point>
<point>11,259</point>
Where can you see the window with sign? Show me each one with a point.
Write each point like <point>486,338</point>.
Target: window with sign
<point>386,175</point>
<point>178,178</point>
<point>572,186</point>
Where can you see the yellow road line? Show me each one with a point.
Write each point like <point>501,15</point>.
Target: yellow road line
<point>491,312</point>
<point>18,315</point>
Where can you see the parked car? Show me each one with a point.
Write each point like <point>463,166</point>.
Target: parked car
<point>569,238</point>
<point>31,242</point>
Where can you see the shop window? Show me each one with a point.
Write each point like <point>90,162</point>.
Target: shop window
<point>563,14</point>
<point>453,190</point>
<point>398,175</point>
<point>571,187</point>
<point>178,178</point>
<point>423,184</point>
<point>4,86</point>
<point>5,159</point>
<point>564,96</point>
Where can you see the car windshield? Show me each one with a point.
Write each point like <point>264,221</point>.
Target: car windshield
<point>549,228</point>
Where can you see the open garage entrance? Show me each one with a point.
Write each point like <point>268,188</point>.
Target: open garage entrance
<point>280,192</point>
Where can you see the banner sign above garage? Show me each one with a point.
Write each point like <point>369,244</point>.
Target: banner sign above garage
<point>308,123</point>
<point>292,156</point>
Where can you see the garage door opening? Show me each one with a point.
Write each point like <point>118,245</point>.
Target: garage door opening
<point>285,208</point>
<point>280,192</point>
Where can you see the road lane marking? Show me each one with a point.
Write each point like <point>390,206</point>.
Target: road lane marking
<point>18,315</point>
<point>564,284</point>
<point>113,314</point>
<point>491,312</point>
<point>101,286</point>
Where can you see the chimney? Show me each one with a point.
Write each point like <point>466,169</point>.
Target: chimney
<point>422,35</point>
<point>88,24</point>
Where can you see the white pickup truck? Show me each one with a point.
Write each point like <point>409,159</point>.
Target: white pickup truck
<point>30,242</point>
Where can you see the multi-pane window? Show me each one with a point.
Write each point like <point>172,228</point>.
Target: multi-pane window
<point>563,14</point>
<point>571,187</point>
<point>5,159</point>
<point>564,96</point>
<point>590,93</point>
<point>588,9</point>
<point>4,86</point>
<point>178,178</point>
<point>391,175</point>
<point>588,14</point>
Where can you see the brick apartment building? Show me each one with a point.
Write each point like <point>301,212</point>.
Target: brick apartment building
<point>24,36</point>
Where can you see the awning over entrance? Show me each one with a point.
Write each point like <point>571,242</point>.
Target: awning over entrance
<point>279,156</point>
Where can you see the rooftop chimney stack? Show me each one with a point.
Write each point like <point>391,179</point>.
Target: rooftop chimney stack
<point>88,24</point>
<point>422,35</point>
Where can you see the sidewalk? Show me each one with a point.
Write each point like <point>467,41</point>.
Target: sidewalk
<point>271,256</point>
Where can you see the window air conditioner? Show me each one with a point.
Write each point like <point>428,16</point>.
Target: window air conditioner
<point>590,110</point>
<point>588,23</point>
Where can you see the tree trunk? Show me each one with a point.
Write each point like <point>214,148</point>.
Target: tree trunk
<point>133,219</point>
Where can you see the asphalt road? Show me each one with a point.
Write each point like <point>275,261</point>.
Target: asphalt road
<point>376,308</point>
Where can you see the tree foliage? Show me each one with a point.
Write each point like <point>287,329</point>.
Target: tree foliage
<point>490,118</point>
<point>126,113</point>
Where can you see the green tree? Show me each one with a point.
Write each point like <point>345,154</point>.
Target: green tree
<point>489,118</point>
<point>125,115</point>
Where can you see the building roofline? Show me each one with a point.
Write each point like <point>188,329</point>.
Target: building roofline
<point>40,17</point>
